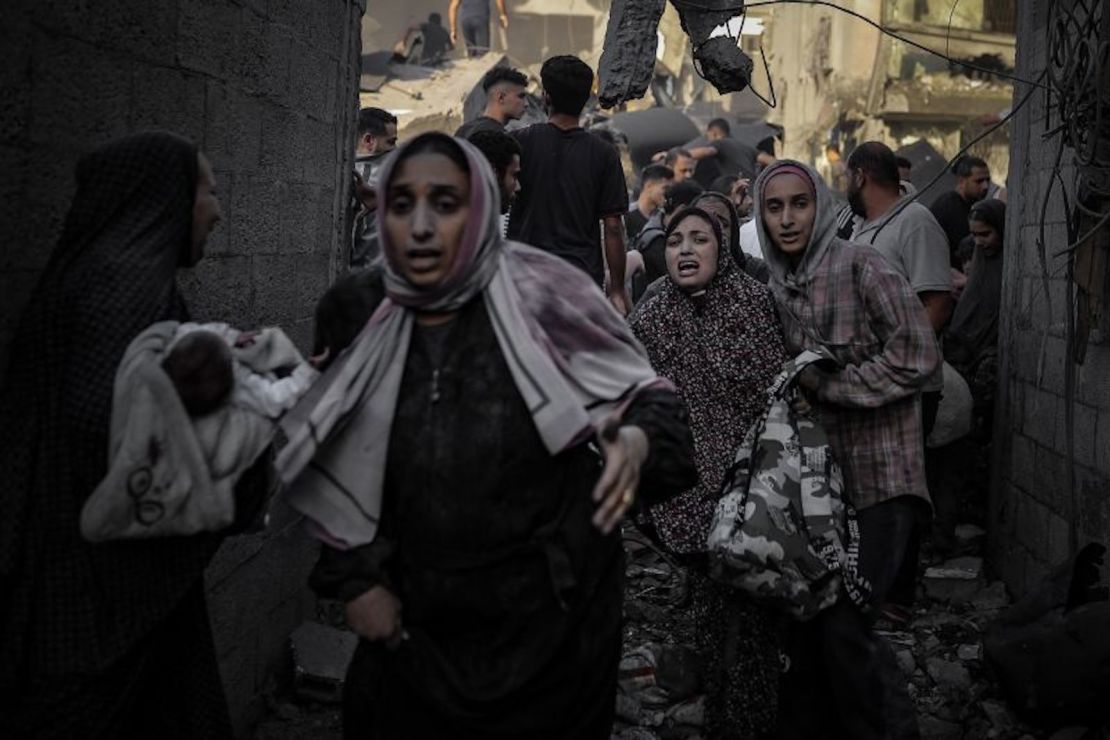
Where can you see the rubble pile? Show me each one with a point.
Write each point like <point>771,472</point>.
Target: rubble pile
<point>659,695</point>
<point>940,651</point>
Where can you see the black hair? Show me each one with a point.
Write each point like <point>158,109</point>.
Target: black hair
<point>767,146</point>
<point>733,234</point>
<point>965,164</point>
<point>991,212</point>
<point>713,221</point>
<point>434,142</point>
<point>374,121</point>
<point>655,172</point>
<point>498,147</point>
<point>681,194</point>
<point>903,163</point>
<point>721,125</point>
<point>878,161</point>
<point>567,80</point>
<point>606,135</point>
<point>344,310</point>
<point>503,74</point>
<point>200,366</point>
<point>435,19</point>
<point>677,152</point>
<point>723,184</point>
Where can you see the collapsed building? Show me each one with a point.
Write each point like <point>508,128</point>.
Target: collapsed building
<point>832,78</point>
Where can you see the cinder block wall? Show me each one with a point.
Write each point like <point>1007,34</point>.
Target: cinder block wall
<point>268,89</point>
<point>1031,505</point>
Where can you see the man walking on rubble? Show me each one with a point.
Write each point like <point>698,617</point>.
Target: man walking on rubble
<point>474,17</point>
<point>850,305</point>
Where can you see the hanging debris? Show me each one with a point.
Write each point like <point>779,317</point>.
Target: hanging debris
<point>628,59</point>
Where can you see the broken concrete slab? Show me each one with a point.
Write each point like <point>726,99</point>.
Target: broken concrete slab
<point>968,653</point>
<point>948,675</point>
<point>906,662</point>
<point>933,728</point>
<point>957,581</point>
<point>968,533</point>
<point>321,655</point>
<point>993,597</point>
<point>628,57</point>
<point>999,715</point>
<point>967,568</point>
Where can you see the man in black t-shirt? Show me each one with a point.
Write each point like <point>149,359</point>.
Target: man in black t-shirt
<point>570,181</point>
<point>506,99</point>
<point>951,210</point>
<point>718,154</point>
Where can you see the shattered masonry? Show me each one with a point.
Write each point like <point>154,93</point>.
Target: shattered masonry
<point>628,59</point>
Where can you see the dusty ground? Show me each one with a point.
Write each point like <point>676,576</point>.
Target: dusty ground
<point>658,699</point>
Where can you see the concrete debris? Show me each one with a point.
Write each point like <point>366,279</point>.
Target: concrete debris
<point>1073,733</point>
<point>939,651</point>
<point>965,568</point>
<point>968,653</point>
<point>939,729</point>
<point>949,675</point>
<point>321,655</point>
<point>906,662</point>
<point>957,581</point>
<point>993,597</point>
<point>968,533</point>
<point>634,733</point>
<point>628,57</point>
<point>999,715</point>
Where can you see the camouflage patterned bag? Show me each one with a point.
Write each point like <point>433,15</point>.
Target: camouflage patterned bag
<point>779,529</point>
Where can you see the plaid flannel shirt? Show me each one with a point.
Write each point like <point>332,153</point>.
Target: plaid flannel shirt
<point>865,315</point>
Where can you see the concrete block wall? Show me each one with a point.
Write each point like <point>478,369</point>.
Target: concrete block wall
<point>1031,506</point>
<point>268,89</point>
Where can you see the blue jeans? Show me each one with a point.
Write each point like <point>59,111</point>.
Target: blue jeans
<point>476,34</point>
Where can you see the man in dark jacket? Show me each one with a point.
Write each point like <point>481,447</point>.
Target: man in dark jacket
<point>951,210</point>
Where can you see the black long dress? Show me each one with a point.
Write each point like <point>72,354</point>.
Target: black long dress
<point>112,639</point>
<point>511,598</point>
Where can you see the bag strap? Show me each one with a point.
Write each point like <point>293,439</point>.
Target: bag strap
<point>784,382</point>
<point>855,585</point>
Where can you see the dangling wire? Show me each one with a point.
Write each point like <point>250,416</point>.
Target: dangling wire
<point>773,102</point>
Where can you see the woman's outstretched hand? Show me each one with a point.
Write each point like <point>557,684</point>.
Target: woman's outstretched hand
<point>376,616</point>
<point>625,449</point>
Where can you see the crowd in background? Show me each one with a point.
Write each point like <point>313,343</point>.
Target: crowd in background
<point>526,352</point>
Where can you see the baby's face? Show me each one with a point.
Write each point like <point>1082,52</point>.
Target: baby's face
<point>200,367</point>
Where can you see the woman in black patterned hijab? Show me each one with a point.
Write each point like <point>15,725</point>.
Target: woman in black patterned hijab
<point>105,640</point>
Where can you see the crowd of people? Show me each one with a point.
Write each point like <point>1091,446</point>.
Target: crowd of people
<point>524,357</point>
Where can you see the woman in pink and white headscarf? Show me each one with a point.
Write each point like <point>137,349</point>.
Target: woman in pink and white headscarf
<point>445,460</point>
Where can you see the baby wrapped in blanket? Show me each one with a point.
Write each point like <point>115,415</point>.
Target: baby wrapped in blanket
<point>194,405</point>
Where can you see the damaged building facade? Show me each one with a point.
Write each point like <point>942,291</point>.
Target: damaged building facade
<point>852,83</point>
<point>829,78</point>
